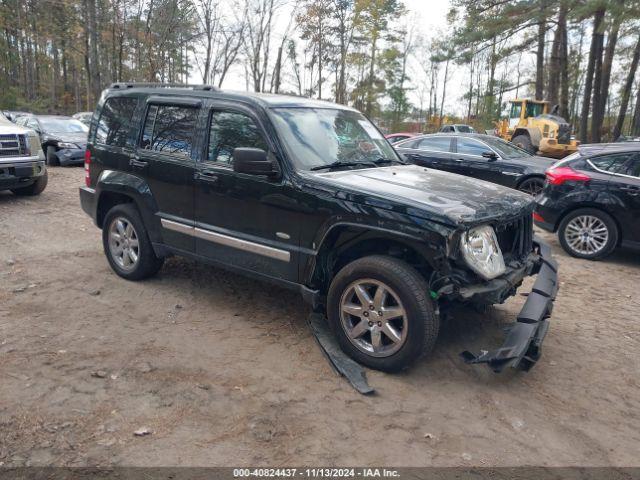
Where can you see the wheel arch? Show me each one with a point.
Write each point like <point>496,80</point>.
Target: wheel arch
<point>344,243</point>
<point>533,133</point>
<point>114,188</point>
<point>529,176</point>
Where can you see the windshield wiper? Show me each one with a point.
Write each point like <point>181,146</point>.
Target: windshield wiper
<point>381,160</point>
<point>342,163</point>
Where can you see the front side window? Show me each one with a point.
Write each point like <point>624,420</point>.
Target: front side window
<point>616,163</point>
<point>231,130</point>
<point>516,110</point>
<point>320,137</point>
<point>435,144</point>
<point>468,146</point>
<point>115,121</point>
<point>169,129</point>
<point>534,109</point>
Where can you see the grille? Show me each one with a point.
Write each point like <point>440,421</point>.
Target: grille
<point>13,145</point>
<point>564,133</point>
<point>516,238</point>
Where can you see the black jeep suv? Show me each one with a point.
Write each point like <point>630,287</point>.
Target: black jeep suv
<point>309,195</point>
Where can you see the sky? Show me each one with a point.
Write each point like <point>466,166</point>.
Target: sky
<point>428,16</point>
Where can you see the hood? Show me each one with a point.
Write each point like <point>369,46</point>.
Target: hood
<point>13,129</point>
<point>432,194</point>
<point>75,137</point>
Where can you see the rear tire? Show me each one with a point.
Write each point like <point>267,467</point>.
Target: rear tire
<point>52,158</point>
<point>532,186</point>
<point>366,321</point>
<point>127,245</point>
<point>523,141</point>
<point>588,233</point>
<point>36,188</point>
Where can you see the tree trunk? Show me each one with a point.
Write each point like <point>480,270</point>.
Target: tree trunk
<point>626,92</point>
<point>588,81</point>
<point>606,70</point>
<point>597,109</point>
<point>444,91</point>
<point>542,30</point>
<point>635,125</point>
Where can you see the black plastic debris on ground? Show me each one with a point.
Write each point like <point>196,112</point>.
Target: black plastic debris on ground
<point>340,362</point>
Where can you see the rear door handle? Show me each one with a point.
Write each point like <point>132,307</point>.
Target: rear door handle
<point>207,176</point>
<point>134,161</point>
<point>635,191</point>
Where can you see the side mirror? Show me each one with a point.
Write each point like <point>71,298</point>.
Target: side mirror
<point>253,161</point>
<point>490,155</point>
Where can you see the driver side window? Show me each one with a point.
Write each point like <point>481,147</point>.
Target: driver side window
<point>231,130</point>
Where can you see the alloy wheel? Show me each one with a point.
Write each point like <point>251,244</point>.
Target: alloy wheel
<point>533,187</point>
<point>373,317</point>
<point>123,243</point>
<point>586,234</point>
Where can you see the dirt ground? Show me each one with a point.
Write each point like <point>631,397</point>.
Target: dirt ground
<point>223,370</point>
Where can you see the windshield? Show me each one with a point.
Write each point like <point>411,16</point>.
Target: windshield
<point>465,129</point>
<point>506,149</point>
<point>63,125</point>
<point>318,137</point>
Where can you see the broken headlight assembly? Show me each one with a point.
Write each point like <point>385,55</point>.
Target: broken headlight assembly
<point>482,253</point>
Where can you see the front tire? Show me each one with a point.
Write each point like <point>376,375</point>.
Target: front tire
<point>524,142</point>
<point>380,312</point>
<point>127,245</point>
<point>588,233</point>
<point>36,188</point>
<point>52,158</point>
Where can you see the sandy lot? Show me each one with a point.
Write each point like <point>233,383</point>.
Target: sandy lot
<point>224,371</point>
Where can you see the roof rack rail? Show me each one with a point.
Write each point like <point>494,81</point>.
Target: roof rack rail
<point>125,85</point>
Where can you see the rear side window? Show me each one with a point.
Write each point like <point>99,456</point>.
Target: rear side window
<point>468,146</point>
<point>169,129</point>
<point>634,167</point>
<point>615,163</point>
<point>115,121</point>
<point>231,130</point>
<point>435,144</point>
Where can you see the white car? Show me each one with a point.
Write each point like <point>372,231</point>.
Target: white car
<point>22,168</point>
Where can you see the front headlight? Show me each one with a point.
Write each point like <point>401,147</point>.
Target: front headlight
<point>67,145</point>
<point>482,253</point>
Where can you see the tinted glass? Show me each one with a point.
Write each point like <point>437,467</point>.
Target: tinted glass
<point>534,109</point>
<point>516,109</point>
<point>169,129</point>
<point>506,149</point>
<point>634,167</point>
<point>115,120</point>
<point>435,144</point>
<point>616,163</point>
<point>231,130</point>
<point>321,136</point>
<point>468,146</point>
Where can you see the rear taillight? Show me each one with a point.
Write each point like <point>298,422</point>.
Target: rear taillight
<point>87,163</point>
<point>559,175</point>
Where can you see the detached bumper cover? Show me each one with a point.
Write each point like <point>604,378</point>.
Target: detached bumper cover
<point>522,347</point>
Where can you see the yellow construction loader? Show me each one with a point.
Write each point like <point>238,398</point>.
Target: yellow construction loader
<point>532,127</point>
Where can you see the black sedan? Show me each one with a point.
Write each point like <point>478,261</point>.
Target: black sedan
<point>479,156</point>
<point>592,199</point>
<point>64,139</point>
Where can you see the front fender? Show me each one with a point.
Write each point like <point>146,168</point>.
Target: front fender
<point>131,186</point>
<point>340,232</point>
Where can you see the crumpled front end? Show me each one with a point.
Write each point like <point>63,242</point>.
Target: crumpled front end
<point>521,348</point>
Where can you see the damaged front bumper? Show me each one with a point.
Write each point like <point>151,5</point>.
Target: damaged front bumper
<point>522,347</point>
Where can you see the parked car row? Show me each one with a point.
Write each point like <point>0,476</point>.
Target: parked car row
<point>591,198</point>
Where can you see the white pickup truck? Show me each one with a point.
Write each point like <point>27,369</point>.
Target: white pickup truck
<point>22,168</point>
